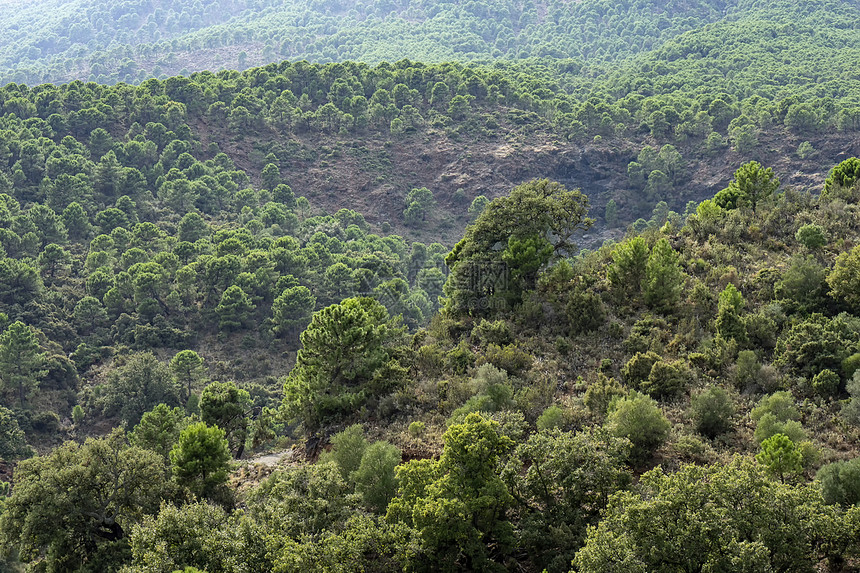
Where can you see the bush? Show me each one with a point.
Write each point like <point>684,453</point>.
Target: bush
<point>585,311</point>
<point>638,368</point>
<point>777,414</point>
<point>599,395</point>
<point>666,380</point>
<point>374,479</point>
<point>840,482</point>
<point>826,383</point>
<point>552,417</point>
<point>640,420</point>
<point>348,447</point>
<point>712,411</point>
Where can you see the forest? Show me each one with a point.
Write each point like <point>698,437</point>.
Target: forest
<point>573,288</point>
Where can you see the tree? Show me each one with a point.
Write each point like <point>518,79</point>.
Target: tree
<point>418,203</point>
<point>640,420</point>
<point>842,177</point>
<point>347,357</point>
<point>712,411</point>
<point>780,457</point>
<point>234,309</point>
<point>663,278</point>
<point>729,321</point>
<point>459,503</point>
<point>74,507</point>
<point>840,482</point>
<point>560,482</point>
<point>158,429</point>
<point>752,184</point>
<point>629,265</point>
<point>21,361</point>
<point>224,405</point>
<point>187,367</point>
<point>138,386</point>
<point>715,518</point>
<point>13,444</point>
<point>844,279</point>
<point>537,210</point>
<point>375,478</point>
<point>200,459</point>
<point>293,309</point>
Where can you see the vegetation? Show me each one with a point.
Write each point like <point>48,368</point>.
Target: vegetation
<point>671,385</point>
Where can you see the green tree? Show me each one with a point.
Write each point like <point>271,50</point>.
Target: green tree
<point>234,309</point>
<point>663,278</point>
<point>187,368</point>
<point>729,323</point>
<point>780,457</point>
<point>224,405</point>
<point>375,478</point>
<point>539,209</point>
<point>13,443</point>
<point>712,411</point>
<point>752,184</point>
<point>418,203</point>
<point>21,360</point>
<point>715,518</point>
<point>629,264</point>
<point>844,279</point>
<point>138,386</point>
<point>561,482</point>
<point>640,420</point>
<point>840,482</point>
<point>200,459</point>
<point>459,503</point>
<point>293,309</point>
<point>347,357</point>
<point>158,429</point>
<point>74,508</point>
<point>811,236</point>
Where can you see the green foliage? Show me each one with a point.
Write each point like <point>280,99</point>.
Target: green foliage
<point>74,507</point>
<point>374,478</point>
<point>187,368</point>
<point>639,419</point>
<point>458,504</point>
<point>702,516</point>
<point>348,448</point>
<point>712,411</point>
<point>843,176</point>
<point>777,414</point>
<point>347,358</point>
<point>523,220</point>
<point>138,386</point>
<point>752,184</point>
<point>561,482</point>
<point>638,368</point>
<point>730,308</point>
<point>629,263</point>
<point>844,279</point>
<point>663,278</point>
<point>666,380</point>
<point>840,482</point>
<point>20,361</point>
<point>780,457</point>
<point>158,429</point>
<point>224,405</point>
<point>418,203</point>
<point>13,443</point>
<point>292,309</point>
<point>200,459</point>
<point>811,236</point>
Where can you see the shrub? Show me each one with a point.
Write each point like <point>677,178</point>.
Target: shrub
<point>826,383</point>
<point>712,411</point>
<point>599,395</point>
<point>777,414</point>
<point>640,420</point>
<point>840,482</point>
<point>552,417</point>
<point>666,380</point>
<point>638,368</point>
